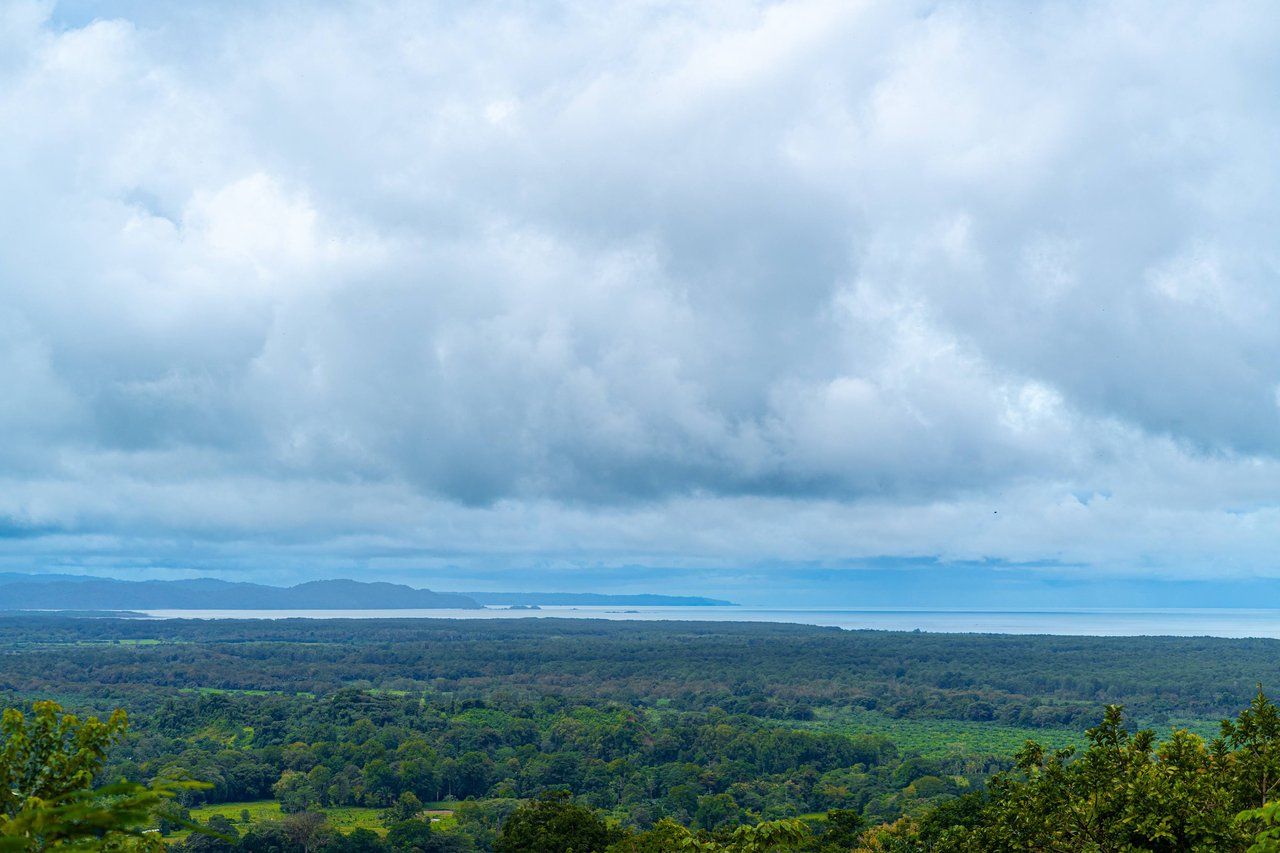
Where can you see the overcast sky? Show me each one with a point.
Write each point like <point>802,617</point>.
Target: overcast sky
<point>449,291</point>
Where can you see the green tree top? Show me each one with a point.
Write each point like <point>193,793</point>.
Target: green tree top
<point>553,823</point>
<point>48,765</point>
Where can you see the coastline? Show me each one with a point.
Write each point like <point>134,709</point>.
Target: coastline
<point>1234,623</point>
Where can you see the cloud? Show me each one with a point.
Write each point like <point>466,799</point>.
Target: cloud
<point>687,285</point>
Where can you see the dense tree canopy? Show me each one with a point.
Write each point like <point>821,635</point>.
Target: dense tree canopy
<point>553,823</point>
<point>738,739</point>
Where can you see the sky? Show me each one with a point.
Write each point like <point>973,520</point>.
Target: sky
<point>765,301</point>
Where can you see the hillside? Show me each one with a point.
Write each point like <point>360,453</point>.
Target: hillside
<point>80,593</point>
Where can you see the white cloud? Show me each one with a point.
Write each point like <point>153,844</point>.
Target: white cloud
<point>686,283</point>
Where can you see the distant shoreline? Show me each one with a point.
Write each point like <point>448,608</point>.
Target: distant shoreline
<point>593,599</point>
<point>21,591</point>
<point>1207,622</point>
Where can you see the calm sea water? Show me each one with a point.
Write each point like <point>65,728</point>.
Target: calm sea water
<point>1078,622</point>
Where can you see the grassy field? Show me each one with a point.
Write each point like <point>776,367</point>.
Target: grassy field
<point>938,738</point>
<point>55,644</point>
<point>1205,728</point>
<point>344,819</point>
<point>120,642</point>
<point>259,810</point>
<point>348,818</point>
<point>209,691</point>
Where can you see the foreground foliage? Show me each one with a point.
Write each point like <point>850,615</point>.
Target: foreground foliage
<point>1124,793</point>
<point>47,797</point>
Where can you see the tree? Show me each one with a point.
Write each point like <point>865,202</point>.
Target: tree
<point>269,836</point>
<point>553,823</point>
<point>843,826</point>
<point>670,837</point>
<point>223,842</point>
<point>294,792</point>
<point>47,800</point>
<point>1268,838</point>
<point>357,841</point>
<point>307,830</point>
<point>767,837</point>
<point>408,835</point>
<point>406,807</point>
<point>1255,739</point>
<point>1121,794</point>
<point>416,836</point>
<point>665,837</point>
<point>717,810</point>
<point>222,825</point>
<point>172,816</point>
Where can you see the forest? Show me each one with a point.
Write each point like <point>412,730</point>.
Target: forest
<point>471,735</point>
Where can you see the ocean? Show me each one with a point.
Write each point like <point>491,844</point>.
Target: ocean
<point>1182,622</point>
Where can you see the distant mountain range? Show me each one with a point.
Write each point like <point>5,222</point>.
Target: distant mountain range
<point>79,592</point>
<point>65,592</point>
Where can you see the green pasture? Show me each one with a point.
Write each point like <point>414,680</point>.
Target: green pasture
<point>61,644</point>
<point>344,819</point>
<point>347,819</point>
<point>259,810</point>
<point>1205,728</point>
<point>939,738</point>
<point>122,642</point>
<point>210,691</point>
